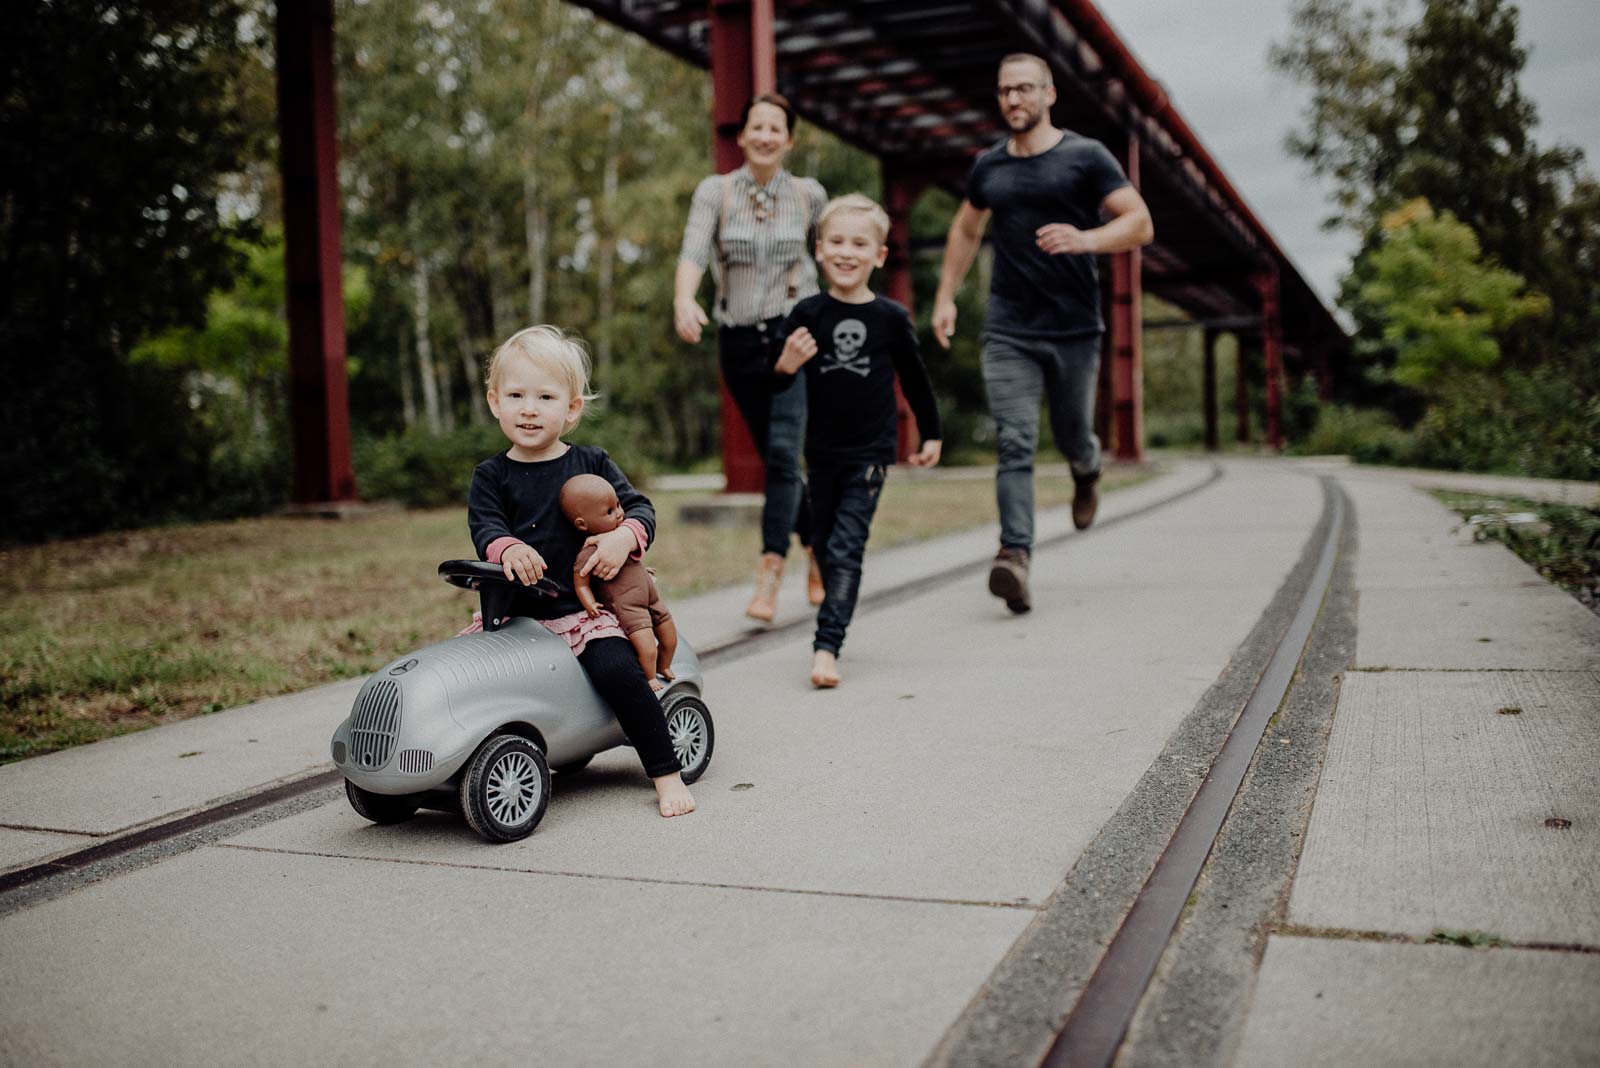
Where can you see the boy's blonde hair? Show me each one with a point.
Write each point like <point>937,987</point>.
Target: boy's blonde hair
<point>858,204</point>
<point>550,349</point>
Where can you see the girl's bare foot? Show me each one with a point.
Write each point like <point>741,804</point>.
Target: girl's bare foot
<point>824,670</point>
<point>672,795</point>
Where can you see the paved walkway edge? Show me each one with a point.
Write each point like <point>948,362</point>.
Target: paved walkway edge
<point>1016,1014</point>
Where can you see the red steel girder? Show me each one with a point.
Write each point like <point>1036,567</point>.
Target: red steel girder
<point>743,64</point>
<point>1125,338</point>
<point>313,260</point>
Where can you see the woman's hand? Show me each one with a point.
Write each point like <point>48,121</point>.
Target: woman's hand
<point>687,318</point>
<point>611,551</point>
<point>926,456</point>
<point>522,563</point>
<point>800,347</point>
<point>944,321</point>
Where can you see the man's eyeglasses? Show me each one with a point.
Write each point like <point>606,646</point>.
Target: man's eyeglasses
<point>1024,90</point>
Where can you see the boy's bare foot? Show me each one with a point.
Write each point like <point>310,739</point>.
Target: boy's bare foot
<point>824,670</point>
<point>672,795</point>
<point>657,685</point>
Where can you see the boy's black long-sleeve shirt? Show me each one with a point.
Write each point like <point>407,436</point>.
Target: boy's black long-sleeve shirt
<point>513,498</point>
<point>850,381</point>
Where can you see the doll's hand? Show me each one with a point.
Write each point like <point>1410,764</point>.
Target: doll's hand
<point>522,563</point>
<point>611,551</point>
<point>800,347</point>
<point>926,456</point>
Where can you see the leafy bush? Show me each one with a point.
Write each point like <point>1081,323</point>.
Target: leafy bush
<point>1532,424</point>
<point>1366,435</point>
<point>426,470</point>
<point>1167,430</point>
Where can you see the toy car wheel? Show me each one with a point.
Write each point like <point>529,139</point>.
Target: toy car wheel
<point>689,726</point>
<point>380,808</point>
<point>572,767</point>
<point>506,788</point>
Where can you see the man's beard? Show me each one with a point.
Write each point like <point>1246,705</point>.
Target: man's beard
<point>1029,117</point>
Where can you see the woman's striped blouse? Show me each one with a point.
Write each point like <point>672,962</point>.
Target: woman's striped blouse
<point>768,229</point>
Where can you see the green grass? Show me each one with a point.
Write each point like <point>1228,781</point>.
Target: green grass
<point>104,635</point>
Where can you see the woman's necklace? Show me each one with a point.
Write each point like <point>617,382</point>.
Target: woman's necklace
<point>761,203</point>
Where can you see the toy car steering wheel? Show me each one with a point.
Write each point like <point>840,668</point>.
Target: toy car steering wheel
<point>472,574</point>
<point>497,594</point>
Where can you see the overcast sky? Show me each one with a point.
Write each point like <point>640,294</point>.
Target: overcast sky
<point>1212,58</point>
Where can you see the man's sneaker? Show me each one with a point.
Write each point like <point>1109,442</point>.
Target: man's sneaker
<point>1085,499</point>
<point>1008,579</point>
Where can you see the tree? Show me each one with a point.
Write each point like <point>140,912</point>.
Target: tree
<point>1434,109</point>
<point>119,129</point>
<point>1440,304</point>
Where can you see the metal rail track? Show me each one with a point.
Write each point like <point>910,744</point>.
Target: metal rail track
<point>724,653</point>
<point>1093,1031</point>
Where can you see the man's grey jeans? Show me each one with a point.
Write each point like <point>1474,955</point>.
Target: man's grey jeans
<point>1018,372</point>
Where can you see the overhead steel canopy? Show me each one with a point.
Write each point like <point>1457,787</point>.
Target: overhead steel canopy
<point>913,82</point>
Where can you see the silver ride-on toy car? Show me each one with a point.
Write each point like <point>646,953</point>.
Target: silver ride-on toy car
<point>475,724</point>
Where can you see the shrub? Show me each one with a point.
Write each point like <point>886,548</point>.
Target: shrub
<point>421,469</point>
<point>1531,424</point>
<point>1366,435</point>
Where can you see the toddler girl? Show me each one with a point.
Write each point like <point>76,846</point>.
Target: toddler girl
<point>537,385</point>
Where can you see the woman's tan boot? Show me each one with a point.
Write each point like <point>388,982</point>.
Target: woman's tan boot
<point>814,591</point>
<point>769,573</point>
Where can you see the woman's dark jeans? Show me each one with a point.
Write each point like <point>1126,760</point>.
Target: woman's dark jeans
<point>844,498</point>
<point>777,424</point>
<point>614,671</point>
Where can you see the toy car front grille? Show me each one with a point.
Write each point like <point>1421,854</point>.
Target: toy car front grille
<point>375,724</point>
<point>415,761</point>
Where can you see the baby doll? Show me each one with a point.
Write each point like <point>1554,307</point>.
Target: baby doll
<point>590,503</point>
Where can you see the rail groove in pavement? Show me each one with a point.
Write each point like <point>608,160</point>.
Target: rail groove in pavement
<point>725,652</point>
<point>1093,1031</point>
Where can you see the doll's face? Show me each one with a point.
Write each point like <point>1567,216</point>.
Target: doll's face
<point>590,504</point>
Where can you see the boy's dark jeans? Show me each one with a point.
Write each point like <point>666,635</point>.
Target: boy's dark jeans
<point>777,422</point>
<point>844,497</point>
<point>614,671</point>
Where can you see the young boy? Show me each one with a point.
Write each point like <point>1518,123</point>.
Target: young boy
<point>851,344</point>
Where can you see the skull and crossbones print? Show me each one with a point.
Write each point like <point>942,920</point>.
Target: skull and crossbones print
<point>849,349</point>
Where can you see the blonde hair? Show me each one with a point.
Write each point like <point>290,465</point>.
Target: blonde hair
<point>548,348</point>
<point>856,203</point>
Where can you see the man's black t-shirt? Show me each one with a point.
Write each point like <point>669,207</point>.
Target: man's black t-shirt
<point>1034,293</point>
<point>850,381</point>
<point>522,499</point>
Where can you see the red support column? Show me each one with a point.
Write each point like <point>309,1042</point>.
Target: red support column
<point>308,156</point>
<point>1208,389</point>
<point>1104,428</point>
<point>1272,354</point>
<point>1126,343</point>
<point>901,188</point>
<point>743,63</point>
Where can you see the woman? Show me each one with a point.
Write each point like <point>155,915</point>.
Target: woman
<point>754,228</point>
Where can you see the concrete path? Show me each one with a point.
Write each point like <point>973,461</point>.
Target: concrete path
<point>1459,802</point>
<point>863,859</point>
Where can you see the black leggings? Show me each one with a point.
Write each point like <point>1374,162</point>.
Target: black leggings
<point>614,671</point>
<point>776,425</point>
